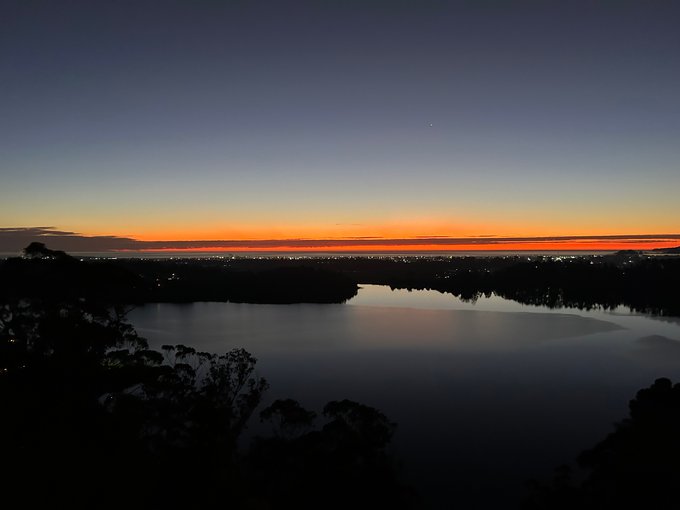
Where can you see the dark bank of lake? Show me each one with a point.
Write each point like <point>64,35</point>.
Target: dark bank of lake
<point>486,395</point>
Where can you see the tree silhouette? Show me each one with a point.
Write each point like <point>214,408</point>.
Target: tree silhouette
<point>288,417</point>
<point>40,251</point>
<point>343,464</point>
<point>84,401</point>
<point>634,466</point>
<point>92,416</point>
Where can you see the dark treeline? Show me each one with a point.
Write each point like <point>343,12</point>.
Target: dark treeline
<point>646,284</point>
<point>46,273</point>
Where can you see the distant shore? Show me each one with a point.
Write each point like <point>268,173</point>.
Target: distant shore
<point>647,282</point>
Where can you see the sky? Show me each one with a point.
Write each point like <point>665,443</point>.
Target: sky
<point>340,124</point>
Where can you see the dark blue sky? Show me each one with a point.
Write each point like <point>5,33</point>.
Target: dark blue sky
<point>250,119</point>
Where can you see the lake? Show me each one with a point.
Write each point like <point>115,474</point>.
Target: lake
<point>485,395</point>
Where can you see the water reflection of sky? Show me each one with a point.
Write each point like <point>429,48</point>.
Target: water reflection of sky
<point>637,324</point>
<point>486,395</point>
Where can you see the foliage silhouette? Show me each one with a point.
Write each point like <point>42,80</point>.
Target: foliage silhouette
<point>634,466</point>
<point>344,464</point>
<point>92,416</point>
<point>39,250</point>
<point>288,417</point>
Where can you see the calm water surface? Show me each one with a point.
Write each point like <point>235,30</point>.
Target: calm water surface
<point>485,395</point>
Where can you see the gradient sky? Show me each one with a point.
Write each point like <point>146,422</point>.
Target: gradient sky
<point>229,120</point>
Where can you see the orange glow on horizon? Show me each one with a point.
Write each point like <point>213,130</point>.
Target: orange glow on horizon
<point>406,227</point>
<point>500,247</point>
<point>348,234</point>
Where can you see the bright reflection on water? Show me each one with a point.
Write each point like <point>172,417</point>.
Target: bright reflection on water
<point>486,395</point>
